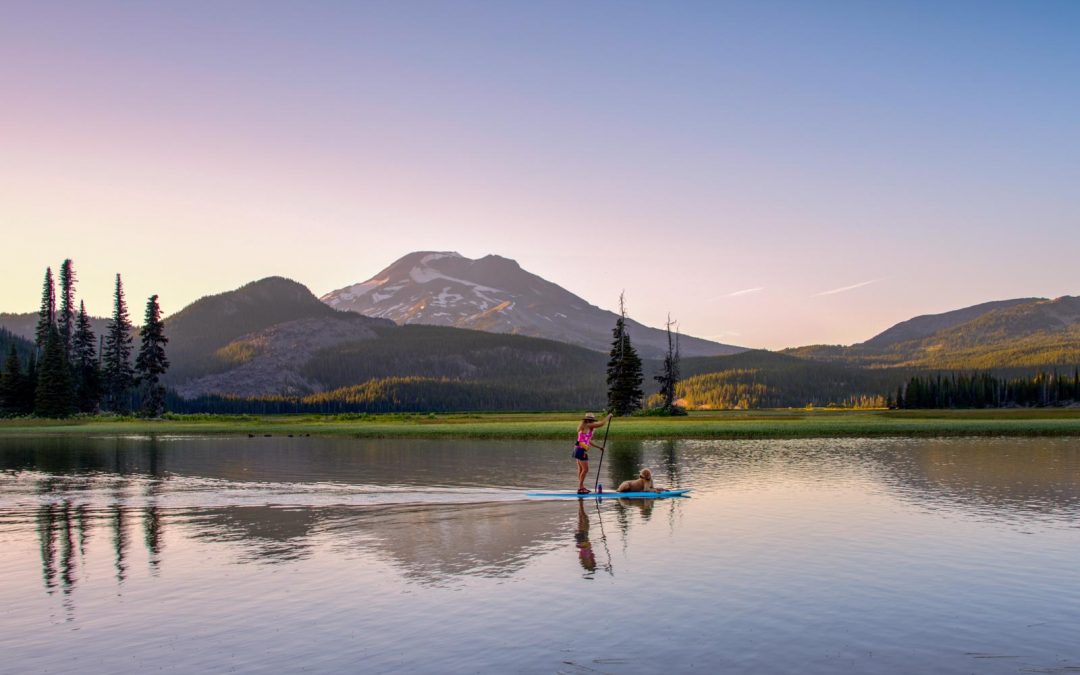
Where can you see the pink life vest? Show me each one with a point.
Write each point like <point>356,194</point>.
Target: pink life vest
<point>584,438</point>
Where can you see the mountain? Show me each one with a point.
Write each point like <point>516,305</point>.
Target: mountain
<point>275,319</point>
<point>272,338</point>
<point>1009,335</point>
<point>926,325</point>
<point>496,295</point>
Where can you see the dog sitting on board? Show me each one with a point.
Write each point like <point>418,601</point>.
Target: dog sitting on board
<point>642,484</point>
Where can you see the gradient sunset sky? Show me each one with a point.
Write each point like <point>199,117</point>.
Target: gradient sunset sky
<point>771,173</point>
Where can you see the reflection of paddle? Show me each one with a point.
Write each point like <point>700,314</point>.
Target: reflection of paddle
<point>603,538</point>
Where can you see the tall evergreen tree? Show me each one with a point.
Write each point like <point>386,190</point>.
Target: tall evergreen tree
<point>85,363</point>
<point>54,395</point>
<point>669,376</point>
<point>12,385</point>
<point>29,393</point>
<point>47,313</point>
<point>116,369</point>
<point>623,369</point>
<point>65,317</point>
<point>151,362</point>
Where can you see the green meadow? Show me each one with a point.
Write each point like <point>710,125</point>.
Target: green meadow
<point>794,423</point>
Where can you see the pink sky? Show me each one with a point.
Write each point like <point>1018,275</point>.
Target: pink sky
<point>770,178</point>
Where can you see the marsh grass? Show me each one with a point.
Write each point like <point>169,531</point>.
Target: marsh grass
<point>785,423</point>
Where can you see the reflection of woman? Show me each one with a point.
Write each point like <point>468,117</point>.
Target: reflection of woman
<point>585,432</point>
<point>581,537</point>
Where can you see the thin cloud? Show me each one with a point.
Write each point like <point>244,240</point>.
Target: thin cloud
<point>745,291</point>
<point>844,289</point>
<point>735,294</point>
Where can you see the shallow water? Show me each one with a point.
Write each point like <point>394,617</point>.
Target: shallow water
<point>277,554</point>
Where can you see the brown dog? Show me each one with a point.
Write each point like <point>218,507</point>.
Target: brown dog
<point>643,484</point>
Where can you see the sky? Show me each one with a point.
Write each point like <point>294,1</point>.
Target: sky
<point>769,173</point>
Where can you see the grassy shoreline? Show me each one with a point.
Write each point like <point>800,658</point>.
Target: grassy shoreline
<point>704,425</point>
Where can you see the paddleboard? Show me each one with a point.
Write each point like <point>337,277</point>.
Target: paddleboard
<point>610,495</point>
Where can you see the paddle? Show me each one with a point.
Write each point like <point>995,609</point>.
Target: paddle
<point>603,446</point>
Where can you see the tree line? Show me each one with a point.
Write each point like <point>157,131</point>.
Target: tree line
<point>69,370</point>
<point>985,390</point>
<point>397,394</point>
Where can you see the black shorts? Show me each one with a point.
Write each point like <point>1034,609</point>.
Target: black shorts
<point>579,453</point>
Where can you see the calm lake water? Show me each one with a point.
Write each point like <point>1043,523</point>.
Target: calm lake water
<point>330,555</point>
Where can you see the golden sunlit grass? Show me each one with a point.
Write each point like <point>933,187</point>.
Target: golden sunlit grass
<point>719,424</point>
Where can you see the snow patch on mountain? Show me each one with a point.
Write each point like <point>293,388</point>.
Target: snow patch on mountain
<point>494,294</point>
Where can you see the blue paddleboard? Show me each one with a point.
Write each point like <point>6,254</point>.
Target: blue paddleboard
<point>610,495</point>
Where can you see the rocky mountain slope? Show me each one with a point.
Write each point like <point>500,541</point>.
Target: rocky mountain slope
<point>495,294</point>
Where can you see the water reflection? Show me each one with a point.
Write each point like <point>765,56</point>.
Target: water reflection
<point>586,555</point>
<point>338,552</point>
<point>994,478</point>
<point>231,492</point>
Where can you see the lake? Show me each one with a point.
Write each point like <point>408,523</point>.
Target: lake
<point>181,554</point>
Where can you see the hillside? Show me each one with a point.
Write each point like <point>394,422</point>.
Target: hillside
<point>1007,336</point>
<point>495,294</point>
<point>275,318</point>
<point>23,347</point>
<point>763,379</point>
<point>24,324</point>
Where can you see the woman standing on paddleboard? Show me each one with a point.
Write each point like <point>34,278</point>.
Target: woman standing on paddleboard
<point>585,432</point>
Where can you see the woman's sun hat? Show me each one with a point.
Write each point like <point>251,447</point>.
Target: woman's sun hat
<point>589,417</point>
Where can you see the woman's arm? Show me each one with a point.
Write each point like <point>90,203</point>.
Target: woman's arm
<point>597,425</point>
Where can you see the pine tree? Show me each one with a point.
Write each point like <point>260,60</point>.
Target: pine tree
<point>12,385</point>
<point>29,393</point>
<point>669,376</point>
<point>85,363</point>
<point>54,394</point>
<point>47,313</point>
<point>623,369</point>
<point>151,363</point>
<point>116,355</point>
<point>65,316</point>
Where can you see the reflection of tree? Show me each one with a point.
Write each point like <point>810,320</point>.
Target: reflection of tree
<point>152,534</point>
<point>120,541</point>
<point>46,528</point>
<point>670,460</point>
<point>625,462</point>
<point>67,548</point>
<point>152,516</point>
<point>82,524</point>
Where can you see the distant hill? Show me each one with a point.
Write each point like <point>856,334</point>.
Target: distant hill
<point>24,324</point>
<point>23,347</point>
<point>1009,335</point>
<point>495,294</point>
<point>926,325</point>
<point>274,318</point>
